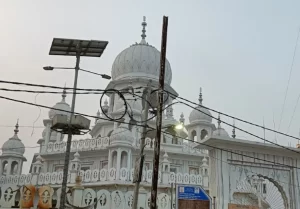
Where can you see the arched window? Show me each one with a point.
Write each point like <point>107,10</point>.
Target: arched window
<point>204,134</point>
<point>109,133</point>
<point>174,140</point>
<point>4,167</point>
<point>14,167</point>
<point>194,135</point>
<point>124,157</point>
<point>131,124</point>
<point>114,159</point>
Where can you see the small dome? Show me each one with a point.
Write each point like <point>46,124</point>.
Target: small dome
<point>60,108</point>
<point>140,60</point>
<point>220,131</point>
<point>105,107</point>
<point>14,145</point>
<point>39,158</point>
<point>121,135</point>
<point>76,155</point>
<point>200,114</point>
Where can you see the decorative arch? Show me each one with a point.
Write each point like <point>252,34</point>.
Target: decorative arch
<point>124,159</point>
<point>194,135</point>
<point>132,123</point>
<point>267,189</point>
<point>4,167</point>
<point>280,189</point>
<point>204,134</point>
<point>109,133</point>
<point>14,167</point>
<point>114,156</point>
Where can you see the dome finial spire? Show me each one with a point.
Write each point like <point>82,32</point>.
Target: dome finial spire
<point>233,130</point>
<point>64,94</point>
<point>219,121</point>
<point>200,97</point>
<point>17,128</point>
<point>144,24</point>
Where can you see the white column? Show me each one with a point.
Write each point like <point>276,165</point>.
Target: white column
<point>115,125</point>
<point>111,102</point>
<point>8,170</point>
<point>58,137</point>
<point>109,160</point>
<point>129,160</point>
<point>47,137</point>
<point>1,167</point>
<point>45,167</point>
<point>20,163</point>
<point>118,163</point>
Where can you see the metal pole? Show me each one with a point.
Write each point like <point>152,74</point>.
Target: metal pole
<point>68,148</point>
<point>171,196</point>
<point>159,114</point>
<point>142,146</point>
<point>214,203</point>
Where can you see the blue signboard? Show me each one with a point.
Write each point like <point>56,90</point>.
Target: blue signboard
<point>194,194</point>
<point>191,192</point>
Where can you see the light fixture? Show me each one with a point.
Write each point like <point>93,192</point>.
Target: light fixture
<point>179,126</point>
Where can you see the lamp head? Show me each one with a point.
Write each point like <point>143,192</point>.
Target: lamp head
<point>179,126</point>
<point>106,76</point>
<point>48,68</point>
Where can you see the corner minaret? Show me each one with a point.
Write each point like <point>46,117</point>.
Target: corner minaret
<point>12,157</point>
<point>200,126</point>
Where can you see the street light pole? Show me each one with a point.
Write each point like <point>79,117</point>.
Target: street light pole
<point>68,147</point>
<point>78,48</point>
<point>142,146</point>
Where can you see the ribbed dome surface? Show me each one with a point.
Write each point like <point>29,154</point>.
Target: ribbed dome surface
<point>140,61</point>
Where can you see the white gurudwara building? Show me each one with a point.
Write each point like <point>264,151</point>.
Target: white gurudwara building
<point>106,160</point>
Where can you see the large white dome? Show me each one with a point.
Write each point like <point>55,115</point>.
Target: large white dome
<point>14,145</point>
<point>140,60</point>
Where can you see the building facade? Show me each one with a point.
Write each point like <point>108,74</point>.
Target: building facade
<point>106,160</point>
<point>234,172</point>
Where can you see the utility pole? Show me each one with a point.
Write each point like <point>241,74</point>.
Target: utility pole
<point>68,147</point>
<point>139,171</point>
<point>78,48</point>
<point>171,207</point>
<point>159,114</point>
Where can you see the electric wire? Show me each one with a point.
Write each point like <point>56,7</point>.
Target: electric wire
<point>169,93</point>
<point>113,120</point>
<point>49,92</point>
<point>289,79</point>
<point>43,106</point>
<point>247,132</point>
<point>236,118</point>
<point>292,117</point>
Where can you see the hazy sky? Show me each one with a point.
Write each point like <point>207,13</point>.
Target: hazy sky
<point>240,52</point>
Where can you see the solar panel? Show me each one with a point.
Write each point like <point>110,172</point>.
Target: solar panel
<point>68,47</point>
